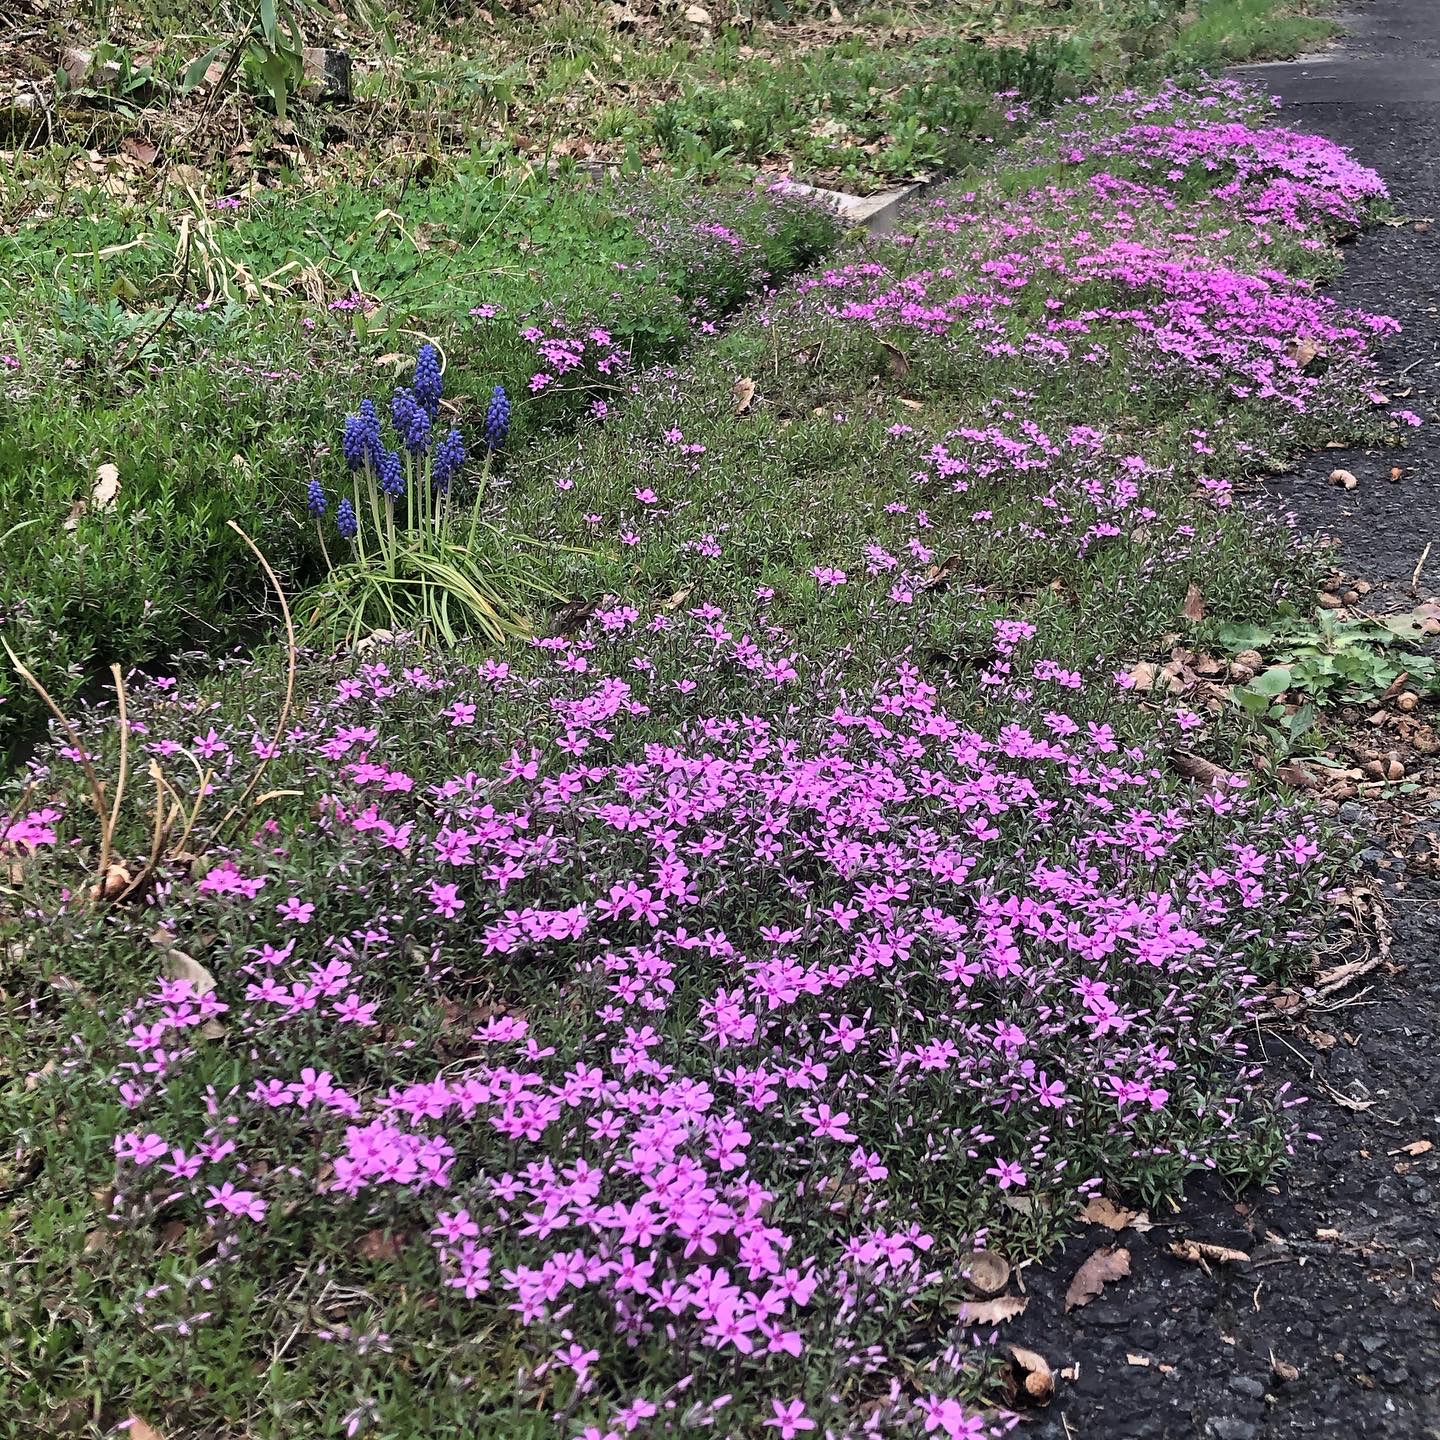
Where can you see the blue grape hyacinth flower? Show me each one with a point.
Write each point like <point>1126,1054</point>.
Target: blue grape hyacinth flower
<point>315,499</point>
<point>417,432</point>
<point>345,521</point>
<point>353,441</point>
<point>392,475</point>
<point>497,419</point>
<point>427,379</point>
<point>362,436</point>
<point>403,406</point>
<point>449,457</point>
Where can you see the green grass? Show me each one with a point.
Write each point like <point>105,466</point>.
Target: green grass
<point>221,408</point>
<point>875,95</point>
<point>1238,32</point>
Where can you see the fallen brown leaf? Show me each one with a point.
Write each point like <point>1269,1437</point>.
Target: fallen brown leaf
<point>1198,1252</point>
<point>139,150</point>
<point>379,1245</point>
<point>1100,1211</point>
<point>1196,767</point>
<point>1104,1266</point>
<point>937,575</point>
<point>991,1312</point>
<point>177,965</point>
<point>744,391</point>
<point>1283,1371</point>
<point>1415,1147</point>
<point>1194,608</point>
<point>899,360</point>
<point>137,1429</point>
<point>107,487</point>
<point>1031,1383</point>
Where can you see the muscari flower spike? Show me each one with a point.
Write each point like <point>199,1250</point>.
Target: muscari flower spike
<point>427,379</point>
<point>345,521</point>
<point>449,457</point>
<point>417,432</point>
<point>315,499</point>
<point>392,476</point>
<point>353,441</point>
<point>403,406</point>
<point>362,436</point>
<point>497,419</point>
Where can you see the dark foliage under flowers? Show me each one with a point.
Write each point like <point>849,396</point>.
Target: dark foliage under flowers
<point>640,1034</point>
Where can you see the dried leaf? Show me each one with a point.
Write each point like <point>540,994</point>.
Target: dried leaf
<point>911,404</point>
<point>1194,608</point>
<point>697,15</point>
<point>1302,350</point>
<point>1417,1147</point>
<point>140,150</point>
<point>1100,1211</point>
<point>1144,674</point>
<point>177,965</point>
<point>1195,767</point>
<point>744,390</point>
<point>936,576</point>
<point>172,1232</point>
<point>1132,1359</point>
<point>115,883</point>
<point>1199,1252</point>
<point>1296,776</point>
<point>987,1272</point>
<point>677,599</point>
<point>73,518</point>
<point>379,1245</point>
<point>1032,1382</point>
<point>137,1429</point>
<point>1104,1266</point>
<point>991,1312</point>
<point>107,487</point>
<point>899,360</point>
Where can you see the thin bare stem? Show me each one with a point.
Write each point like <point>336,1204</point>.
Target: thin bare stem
<point>291,653</point>
<point>124,749</point>
<point>97,791</point>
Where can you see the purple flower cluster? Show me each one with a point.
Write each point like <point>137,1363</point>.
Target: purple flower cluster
<point>809,957</point>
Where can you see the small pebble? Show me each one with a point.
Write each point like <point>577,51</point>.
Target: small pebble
<point>1232,1427</point>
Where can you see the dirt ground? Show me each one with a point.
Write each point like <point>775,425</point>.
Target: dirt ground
<point>1330,1325</point>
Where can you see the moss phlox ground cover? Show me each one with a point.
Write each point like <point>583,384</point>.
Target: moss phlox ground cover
<point>638,1032</point>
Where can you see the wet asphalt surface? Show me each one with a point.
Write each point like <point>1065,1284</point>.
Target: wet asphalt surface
<point>1332,1326</point>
